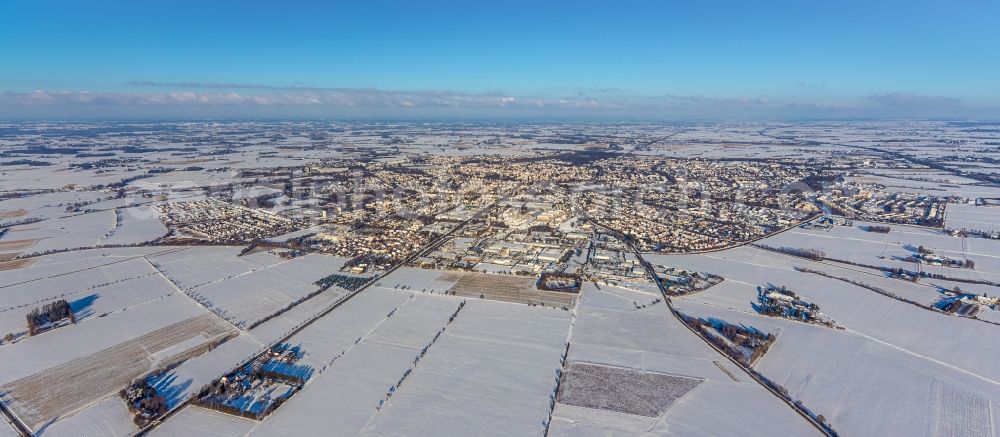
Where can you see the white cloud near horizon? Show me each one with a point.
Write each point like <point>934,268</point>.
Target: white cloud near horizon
<point>278,100</point>
<point>311,97</point>
<point>905,99</point>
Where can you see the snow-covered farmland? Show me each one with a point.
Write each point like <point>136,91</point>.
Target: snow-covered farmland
<point>492,372</point>
<point>72,232</point>
<point>50,375</point>
<point>358,350</point>
<point>197,421</point>
<point>971,217</point>
<point>31,287</point>
<point>958,341</point>
<point>322,341</point>
<point>331,335</point>
<point>891,344</point>
<point>251,296</point>
<point>874,391</point>
<point>47,205</point>
<point>426,280</point>
<point>605,332</point>
<point>98,301</point>
<point>348,388</point>
<point>196,266</point>
<point>107,418</point>
<point>7,430</point>
<point>853,244</point>
<point>135,225</point>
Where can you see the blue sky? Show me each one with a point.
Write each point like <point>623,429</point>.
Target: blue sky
<point>559,59</point>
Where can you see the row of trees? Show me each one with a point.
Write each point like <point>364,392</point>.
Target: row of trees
<point>813,254</point>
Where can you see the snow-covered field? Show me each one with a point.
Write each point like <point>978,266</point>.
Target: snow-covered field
<point>977,218</point>
<point>330,336</point>
<point>31,287</point>
<point>348,387</point>
<point>130,320</point>
<point>890,343</point>
<point>959,341</point>
<point>426,280</point>
<point>136,225</point>
<point>49,205</point>
<point>246,289</point>
<point>72,232</point>
<point>59,176</point>
<point>107,418</point>
<point>197,266</point>
<point>245,299</point>
<point>853,244</point>
<point>95,283</point>
<point>98,301</point>
<point>609,330</point>
<point>93,359</point>
<point>866,386</point>
<point>249,297</point>
<point>900,185</point>
<point>197,421</point>
<point>7,430</point>
<point>357,351</point>
<point>492,372</point>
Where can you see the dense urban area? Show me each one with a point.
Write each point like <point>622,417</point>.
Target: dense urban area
<point>390,279</point>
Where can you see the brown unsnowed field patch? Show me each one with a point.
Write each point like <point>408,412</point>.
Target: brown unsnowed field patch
<point>17,264</point>
<point>14,213</point>
<point>452,277</point>
<point>508,288</point>
<point>68,387</point>
<point>17,244</point>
